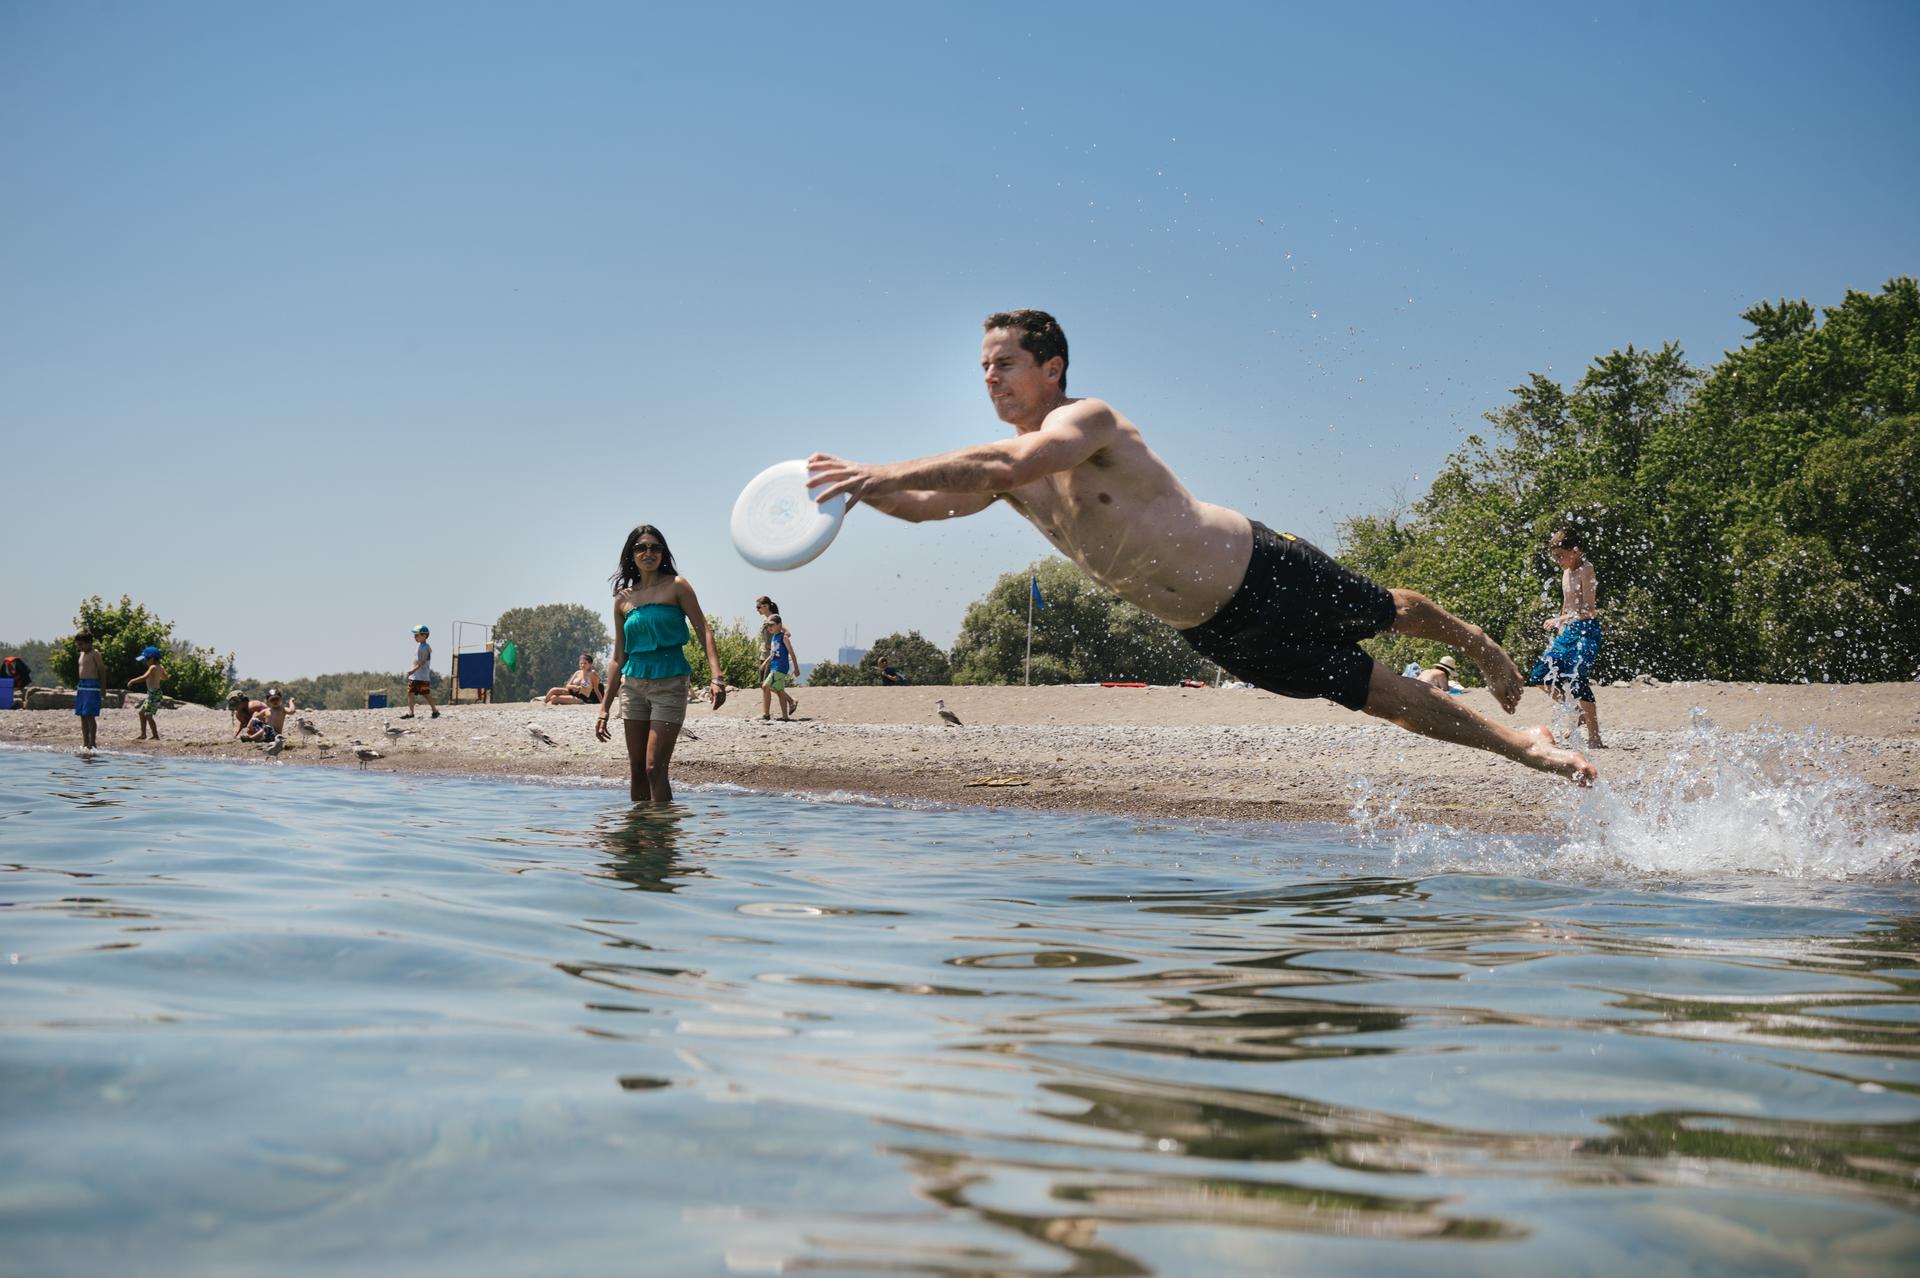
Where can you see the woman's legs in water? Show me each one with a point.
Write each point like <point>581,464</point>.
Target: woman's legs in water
<point>649,756</point>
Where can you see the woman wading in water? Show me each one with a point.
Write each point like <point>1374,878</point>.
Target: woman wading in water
<point>647,679</point>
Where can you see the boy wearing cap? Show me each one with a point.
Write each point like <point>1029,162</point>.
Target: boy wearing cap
<point>86,700</point>
<point>151,678</point>
<point>420,677</point>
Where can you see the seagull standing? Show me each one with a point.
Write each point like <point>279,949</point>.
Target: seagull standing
<point>534,730</point>
<point>366,755</point>
<point>394,734</point>
<point>275,746</point>
<point>948,717</point>
<point>306,726</point>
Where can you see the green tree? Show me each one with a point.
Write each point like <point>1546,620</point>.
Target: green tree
<point>1752,520</point>
<point>915,656</point>
<point>549,639</point>
<point>739,650</point>
<point>834,674</point>
<point>1082,635</point>
<point>121,631</point>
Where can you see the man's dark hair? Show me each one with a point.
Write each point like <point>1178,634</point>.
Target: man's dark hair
<point>85,636</point>
<point>1040,336</point>
<point>1565,539</point>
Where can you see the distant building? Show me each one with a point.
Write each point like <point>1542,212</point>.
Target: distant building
<point>850,656</point>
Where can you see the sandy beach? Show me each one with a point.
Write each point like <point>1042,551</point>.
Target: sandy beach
<point>1225,754</point>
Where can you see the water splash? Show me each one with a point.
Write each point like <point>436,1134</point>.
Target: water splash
<point>1763,802</point>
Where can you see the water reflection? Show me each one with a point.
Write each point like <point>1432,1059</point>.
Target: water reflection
<point>644,841</point>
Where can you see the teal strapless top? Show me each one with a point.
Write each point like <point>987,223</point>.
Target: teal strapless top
<point>653,635</point>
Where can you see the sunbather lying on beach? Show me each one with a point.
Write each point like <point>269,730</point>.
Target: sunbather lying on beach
<point>1265,605</point>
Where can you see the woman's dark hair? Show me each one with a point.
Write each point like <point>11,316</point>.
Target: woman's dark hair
<point>587,657</point>
<point>770,605</point>
<point>628,576</point>
<point>1565,539</point>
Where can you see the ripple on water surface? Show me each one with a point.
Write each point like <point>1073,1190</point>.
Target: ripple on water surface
<point>274,1020</point>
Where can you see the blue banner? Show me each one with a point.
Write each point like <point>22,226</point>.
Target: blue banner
<point>1033,584</point>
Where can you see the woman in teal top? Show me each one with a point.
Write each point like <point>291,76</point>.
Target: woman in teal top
<point>652,608</point>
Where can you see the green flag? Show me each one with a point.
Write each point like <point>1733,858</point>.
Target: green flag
<point>510,656</point>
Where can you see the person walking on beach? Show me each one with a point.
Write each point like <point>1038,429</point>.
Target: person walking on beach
<point>151,678</point>
<point>86,699</point>
<point>777,661</point>
<point>420,677</point>
<point>1265,605</point>
<point>652,608</point>
<point>1563,668</point>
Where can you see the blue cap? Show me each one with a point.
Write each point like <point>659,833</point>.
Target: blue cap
<point>149,653</point>
<point>421,630</point>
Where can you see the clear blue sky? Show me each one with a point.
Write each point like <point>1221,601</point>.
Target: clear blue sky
<point>320,320</point>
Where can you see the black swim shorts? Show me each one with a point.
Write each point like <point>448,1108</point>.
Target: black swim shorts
<point>1295,625</point>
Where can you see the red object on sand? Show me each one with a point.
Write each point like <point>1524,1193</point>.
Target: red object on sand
<point>1122,685</point>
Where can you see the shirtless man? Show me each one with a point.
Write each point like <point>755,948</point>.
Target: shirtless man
<point>1266,606</point>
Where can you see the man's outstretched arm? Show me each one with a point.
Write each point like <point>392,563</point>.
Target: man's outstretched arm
<point>1070,436</point>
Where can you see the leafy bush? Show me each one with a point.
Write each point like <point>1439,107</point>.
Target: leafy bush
<point>1749,521</point>
<point>834,674</point>
<point>548,639</point>
<point>739,650</point>
<point>120,631</point>
<point>344,691</point>
<point>914,656</point>
<point>37,653</point>
<point>1082,635</point>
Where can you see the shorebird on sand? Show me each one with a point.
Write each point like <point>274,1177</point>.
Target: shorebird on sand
<point>274,746</point>
<point>366,755</point>
<point>948,717</point>
<point>394,734</point>
<point>306,726</point>
<point>535,731</point>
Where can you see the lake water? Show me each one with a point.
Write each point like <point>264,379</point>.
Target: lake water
<point>277,1020</point>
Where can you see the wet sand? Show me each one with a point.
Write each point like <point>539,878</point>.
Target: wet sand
<point>1162,752</point>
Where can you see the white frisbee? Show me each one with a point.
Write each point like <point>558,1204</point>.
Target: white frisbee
<point>777,525</point>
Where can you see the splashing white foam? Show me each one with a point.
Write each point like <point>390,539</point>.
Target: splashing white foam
<point>1760,802</point>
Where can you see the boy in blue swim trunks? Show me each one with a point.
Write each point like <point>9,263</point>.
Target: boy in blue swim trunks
<point>86,701</point>
<point>1563,668</point>
<point>1263,604</point>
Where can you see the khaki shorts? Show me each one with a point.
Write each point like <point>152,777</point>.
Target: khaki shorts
<point>654,700</point>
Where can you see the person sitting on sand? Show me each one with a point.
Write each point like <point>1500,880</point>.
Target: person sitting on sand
<point>582,689</point>
<point>242,708</point>
<point>277,707</point>
<point>1265,605</point>
<point>1440,675</point>
<point>258,728</point>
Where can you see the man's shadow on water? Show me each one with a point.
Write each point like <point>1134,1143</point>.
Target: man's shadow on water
<point>644,843</point>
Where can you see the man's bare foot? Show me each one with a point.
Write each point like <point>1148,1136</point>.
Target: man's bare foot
<point>1502,676</point>
<point>1596,745</point>
<point>1545,755</point>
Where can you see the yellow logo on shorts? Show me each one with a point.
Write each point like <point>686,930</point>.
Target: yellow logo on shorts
<point>1290,536</point>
